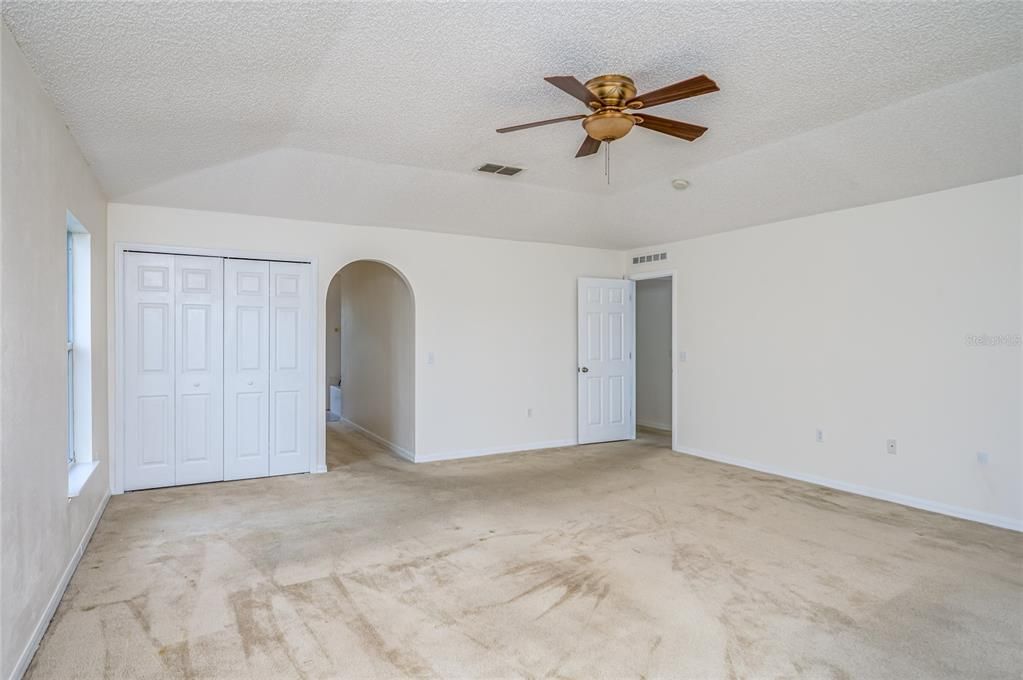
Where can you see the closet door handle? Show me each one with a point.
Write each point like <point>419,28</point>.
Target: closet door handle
<point>195,384</point>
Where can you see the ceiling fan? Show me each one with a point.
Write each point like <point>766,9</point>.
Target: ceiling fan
<point>613,100</point>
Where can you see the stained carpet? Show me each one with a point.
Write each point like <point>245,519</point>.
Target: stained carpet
<point>607,561</point>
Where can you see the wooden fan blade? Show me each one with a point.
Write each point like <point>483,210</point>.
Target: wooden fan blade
<point>675,128</point>
<point>588,148</point>
<point>513,128</point>
<point>672,93</point>
<point>573,87</point>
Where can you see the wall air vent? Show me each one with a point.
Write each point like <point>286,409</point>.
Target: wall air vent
<point>643,259</point>
<point>496,169</point>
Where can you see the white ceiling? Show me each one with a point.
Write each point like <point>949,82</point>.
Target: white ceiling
<point>377,113</point>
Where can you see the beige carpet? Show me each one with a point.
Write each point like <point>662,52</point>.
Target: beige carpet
<point>611,561</point>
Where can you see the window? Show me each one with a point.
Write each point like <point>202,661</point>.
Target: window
<point>70,349</point>
<point>79,356</point>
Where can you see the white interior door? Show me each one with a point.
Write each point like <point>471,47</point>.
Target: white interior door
<point>606,362</point>
<point>199,383</point>
<point>290,368</point>
<point>246,368</point>
<point>148,370</point>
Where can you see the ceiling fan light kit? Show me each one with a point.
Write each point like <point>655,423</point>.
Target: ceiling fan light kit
<point>613,99</point>
<point>607,126</point>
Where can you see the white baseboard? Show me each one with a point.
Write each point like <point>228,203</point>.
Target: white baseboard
<point>51,607</point>
<point>1000,521</point>
<point>493,451</point>
<point>394,448</point>
<point>656,426</point>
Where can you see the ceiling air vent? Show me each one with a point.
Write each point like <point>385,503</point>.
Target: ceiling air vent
<point>495,169</point>
<point>643,259</point>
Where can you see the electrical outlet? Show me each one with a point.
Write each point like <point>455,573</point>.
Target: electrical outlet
<point>820,435</point>
<point>982,457</point>
<point>891,447</point>
<point>429,358</point>
<point>529,413</point>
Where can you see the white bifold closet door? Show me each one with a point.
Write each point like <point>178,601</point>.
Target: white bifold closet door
<point>290,368</point>
<point>148,370</point>
<point>246,369</point>
<point>199,380</point>
<point>218,369</point>
<point>267,353</point>
<point>173,372</point>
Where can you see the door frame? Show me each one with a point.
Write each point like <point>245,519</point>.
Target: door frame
<point>663,274</point>
<point>115,355</point>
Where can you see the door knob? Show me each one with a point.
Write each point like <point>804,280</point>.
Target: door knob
<point>195,384</point>
<point>584,370</point>
<point>250,383</point>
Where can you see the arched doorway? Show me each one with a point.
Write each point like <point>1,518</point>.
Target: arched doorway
<point>369,363</point>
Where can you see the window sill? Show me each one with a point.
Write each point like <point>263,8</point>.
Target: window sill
<point>77,475</point>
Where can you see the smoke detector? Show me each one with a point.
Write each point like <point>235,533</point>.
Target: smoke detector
<point>680,184</point>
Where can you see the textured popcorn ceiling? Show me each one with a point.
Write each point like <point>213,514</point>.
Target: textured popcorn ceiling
<point>376,113</point>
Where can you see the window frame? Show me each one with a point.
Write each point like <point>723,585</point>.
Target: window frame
<point>70,345</point>
<point>81,462</point>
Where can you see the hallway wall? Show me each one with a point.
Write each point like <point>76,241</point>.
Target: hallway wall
<point>376,352</point>
<point>333,335</point>
<point>653,353</point>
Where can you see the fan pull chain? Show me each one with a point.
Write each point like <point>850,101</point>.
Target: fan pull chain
<point>607,162</point>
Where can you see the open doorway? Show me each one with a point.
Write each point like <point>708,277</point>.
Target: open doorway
<point>370,371</point>
<point>655,358</point>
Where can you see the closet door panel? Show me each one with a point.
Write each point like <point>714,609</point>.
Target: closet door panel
<point>149,367</point>
<point>246,368</point>
<point>199,305</point>
<point>290,368</point>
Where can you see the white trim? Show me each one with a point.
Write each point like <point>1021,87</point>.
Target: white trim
<point>318,457</point>
<point>1000,521</point>
<point>476,453</point>
<point>673,275</point>
<point>394,448</point>
<point>51,607</point>
<point>662,274</point>
<point>77,475</point>
<point>121,246</point>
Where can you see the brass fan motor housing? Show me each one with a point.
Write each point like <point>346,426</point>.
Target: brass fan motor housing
<point>608,124</point>
<point>610,121</point>
<point>613,89</point>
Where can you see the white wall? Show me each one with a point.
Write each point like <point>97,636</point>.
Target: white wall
<point>332,334</point>
<point>377,360</point>
<point>498,316</point>
<point>857,322</point>
<point>44,175</point>
<point>653,353</point>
